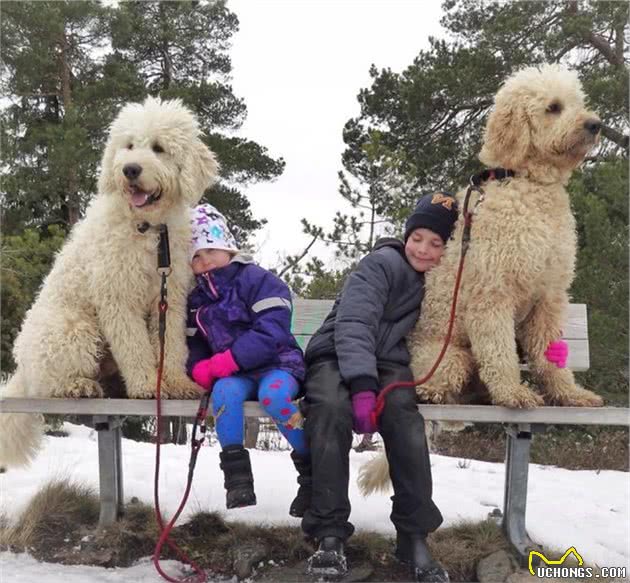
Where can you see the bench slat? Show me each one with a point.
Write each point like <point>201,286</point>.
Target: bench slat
<point>308,316</point>
<point>188,408</point>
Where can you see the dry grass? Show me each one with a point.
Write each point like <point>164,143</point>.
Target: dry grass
<point>459,548</point>
<point>60,524</point>
<point>574,448</point>
<point>124,542</point>
<point>55,513</point>
<point>213,542</point>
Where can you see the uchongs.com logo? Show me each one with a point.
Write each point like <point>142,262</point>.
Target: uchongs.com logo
<point>547,568</point>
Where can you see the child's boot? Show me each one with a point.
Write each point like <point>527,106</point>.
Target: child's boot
<point>329,560</point>
<point>412,550</point>
<point>302,500</point>
<point>239,481</point>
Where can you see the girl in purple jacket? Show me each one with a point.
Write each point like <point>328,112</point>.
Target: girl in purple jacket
<point>241,348</point>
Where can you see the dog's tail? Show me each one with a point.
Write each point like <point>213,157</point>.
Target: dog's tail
<point>374,475</point>
<point>20,433</point>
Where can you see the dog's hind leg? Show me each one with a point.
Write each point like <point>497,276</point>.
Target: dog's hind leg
<point>541,327</point>
<point>73,363</point>
<point>451,375</point>
<point>62,359</point>
<point>493,345</point>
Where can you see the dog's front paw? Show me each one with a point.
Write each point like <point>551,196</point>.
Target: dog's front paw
<point>181,387</point>
<point>577,397</point>
<point>144,386</point>
<point>432,394</point>
<point>79,388</point>
<point>519,397</point>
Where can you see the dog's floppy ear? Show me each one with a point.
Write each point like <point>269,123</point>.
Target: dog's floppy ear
<point>199,172</point>
<point>106,182</point>
<point>507,134</point>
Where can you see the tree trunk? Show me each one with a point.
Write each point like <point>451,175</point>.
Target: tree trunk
<point>165,430</point>
<point>252,428</point>
<point>73,210</point>
<point>178,428</point>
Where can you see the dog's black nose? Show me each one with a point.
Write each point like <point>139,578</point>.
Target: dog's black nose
<point>593,125</point>
<point>132,171</point>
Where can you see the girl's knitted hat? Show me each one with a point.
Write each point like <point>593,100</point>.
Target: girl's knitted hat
<point>210,230</point>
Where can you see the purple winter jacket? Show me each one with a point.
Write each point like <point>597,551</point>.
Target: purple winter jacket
<point>247,309</point>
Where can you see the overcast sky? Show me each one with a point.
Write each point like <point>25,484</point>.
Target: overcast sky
<point>299,65</point>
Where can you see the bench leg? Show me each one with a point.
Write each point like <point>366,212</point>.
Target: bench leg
<point>519,439</point>
<point>109,468</point>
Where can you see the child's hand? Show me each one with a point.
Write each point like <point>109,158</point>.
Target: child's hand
<point>557,353</point>
<point>201,374</point>
<point>363,405</point>
<point>222,365</point>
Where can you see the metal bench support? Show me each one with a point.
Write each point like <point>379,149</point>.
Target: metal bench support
<point>110,468</point>
<point>519,438</point>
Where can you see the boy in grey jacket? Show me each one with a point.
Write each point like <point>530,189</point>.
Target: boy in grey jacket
<point>359,349</point>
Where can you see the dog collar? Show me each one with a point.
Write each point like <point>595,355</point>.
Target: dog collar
<point>491,174</point>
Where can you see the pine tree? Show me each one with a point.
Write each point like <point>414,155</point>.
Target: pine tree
<point>599,196</point>
<point>53,128</point>
<point>429,118</point>
<point>26,259</point>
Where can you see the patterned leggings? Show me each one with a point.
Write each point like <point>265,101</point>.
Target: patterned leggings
<point>275,390</point>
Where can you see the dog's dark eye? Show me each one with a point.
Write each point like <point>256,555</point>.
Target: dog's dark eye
<point>129,146</point>
<point>554,107</point>
<point>158,149</point>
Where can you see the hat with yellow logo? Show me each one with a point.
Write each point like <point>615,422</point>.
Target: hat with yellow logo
<point>436,212</point>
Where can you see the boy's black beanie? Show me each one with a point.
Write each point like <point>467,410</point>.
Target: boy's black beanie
<point>436,212</point>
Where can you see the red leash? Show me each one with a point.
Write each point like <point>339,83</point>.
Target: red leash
<point>164,270</point>
<point>380,399</point>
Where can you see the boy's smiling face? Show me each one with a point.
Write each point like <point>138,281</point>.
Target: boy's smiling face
<point>424,249</point>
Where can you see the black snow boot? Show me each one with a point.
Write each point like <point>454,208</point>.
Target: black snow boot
<point>239,482</point>
<point>302,500</point>
<point>329,560</point>
<point>412,550</point>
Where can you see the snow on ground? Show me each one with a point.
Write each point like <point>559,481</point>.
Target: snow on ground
<point>586,509</point>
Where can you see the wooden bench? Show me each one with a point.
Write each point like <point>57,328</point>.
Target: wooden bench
<point>308,315</point>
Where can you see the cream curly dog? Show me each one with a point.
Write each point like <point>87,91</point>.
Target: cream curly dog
<point>522,254</point>
<point>521,259</point>
<point>101,295</point>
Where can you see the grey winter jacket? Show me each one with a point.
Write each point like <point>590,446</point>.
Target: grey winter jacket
<point>377,308</point>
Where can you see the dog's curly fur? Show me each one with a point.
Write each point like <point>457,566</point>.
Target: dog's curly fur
<point>521,259</point>
<point>101,295</point>
<point>522,253</point>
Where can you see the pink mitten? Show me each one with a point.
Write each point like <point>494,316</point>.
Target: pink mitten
<point>201,374</point>
<point>557,353</point>
<point>363,404</point>
<point>222,365</point>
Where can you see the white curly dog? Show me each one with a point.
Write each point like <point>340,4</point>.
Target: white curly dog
<point>521,260</point>
<point>101,296</point>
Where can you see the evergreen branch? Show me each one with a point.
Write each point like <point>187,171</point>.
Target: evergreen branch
<point>293,261</point>
<point>597,41</point>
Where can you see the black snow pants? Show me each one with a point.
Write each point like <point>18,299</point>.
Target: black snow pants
<point>328,427</point>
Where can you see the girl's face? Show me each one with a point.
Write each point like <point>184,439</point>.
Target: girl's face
<point>208,259</point>
<point>424,249</point>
